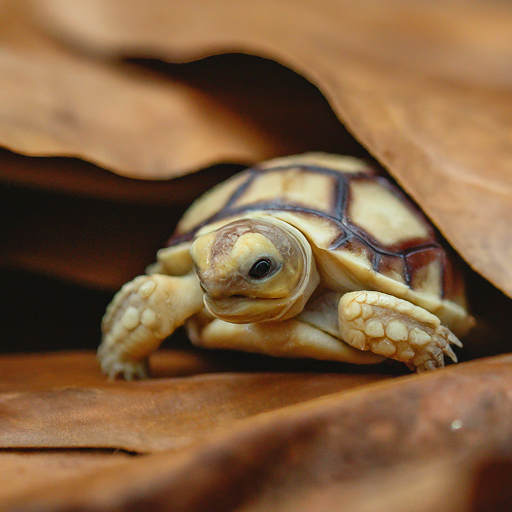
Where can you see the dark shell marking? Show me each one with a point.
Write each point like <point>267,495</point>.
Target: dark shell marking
<point>406,258</point>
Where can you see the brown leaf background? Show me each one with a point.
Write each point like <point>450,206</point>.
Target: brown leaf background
<point>359,447</point>
<point>422,87</point>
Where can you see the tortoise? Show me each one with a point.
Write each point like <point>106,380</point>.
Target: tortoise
<point>314,255</point>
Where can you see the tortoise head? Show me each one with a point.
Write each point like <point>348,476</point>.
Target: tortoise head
<point>254,270</point>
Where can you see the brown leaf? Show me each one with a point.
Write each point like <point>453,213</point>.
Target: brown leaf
<point>68,403</point>
<point>25,472</point>
<point>443,422</point>
<point>424,86</point>
<point>53,102</point>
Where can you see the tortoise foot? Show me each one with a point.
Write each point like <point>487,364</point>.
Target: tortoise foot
<point>396,329</point>
<point>114,367</point>
<point>142,314</point>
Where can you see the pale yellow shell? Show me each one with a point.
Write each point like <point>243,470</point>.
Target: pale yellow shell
<point>365,234</point>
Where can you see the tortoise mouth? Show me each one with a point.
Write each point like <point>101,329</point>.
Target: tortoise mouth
<point>240,309</point>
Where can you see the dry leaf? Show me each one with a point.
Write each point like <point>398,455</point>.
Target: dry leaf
<point>58,411</point>
<point>53,102</point>
<point>24,472</point>
<point>446,420</point>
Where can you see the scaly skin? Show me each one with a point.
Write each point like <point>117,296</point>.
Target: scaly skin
<point>142,314</point>
<point>395,328</point>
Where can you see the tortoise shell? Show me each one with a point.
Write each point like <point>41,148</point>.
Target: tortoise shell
<point>365,233</point>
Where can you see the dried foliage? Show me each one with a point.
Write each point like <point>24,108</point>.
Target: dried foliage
<point>233,441</point>
<point>423,87</point>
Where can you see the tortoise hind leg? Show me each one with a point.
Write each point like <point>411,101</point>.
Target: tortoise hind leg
<point>395,328</point>
<point>142,314</point>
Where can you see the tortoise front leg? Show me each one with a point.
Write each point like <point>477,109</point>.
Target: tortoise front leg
<point>142,314</point>
<point>395,328</point>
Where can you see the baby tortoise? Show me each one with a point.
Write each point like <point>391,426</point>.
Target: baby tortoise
<point>314,255</point>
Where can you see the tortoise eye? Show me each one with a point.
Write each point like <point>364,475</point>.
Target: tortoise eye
<point>260,269</point>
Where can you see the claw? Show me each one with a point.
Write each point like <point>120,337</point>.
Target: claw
<point>450,353</point>
<point>454,340</point>
<point>449,336</point>
<point>127,370</point>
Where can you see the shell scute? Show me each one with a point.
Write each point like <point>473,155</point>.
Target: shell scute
<point>379,212</point>
<point>291,187</point>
